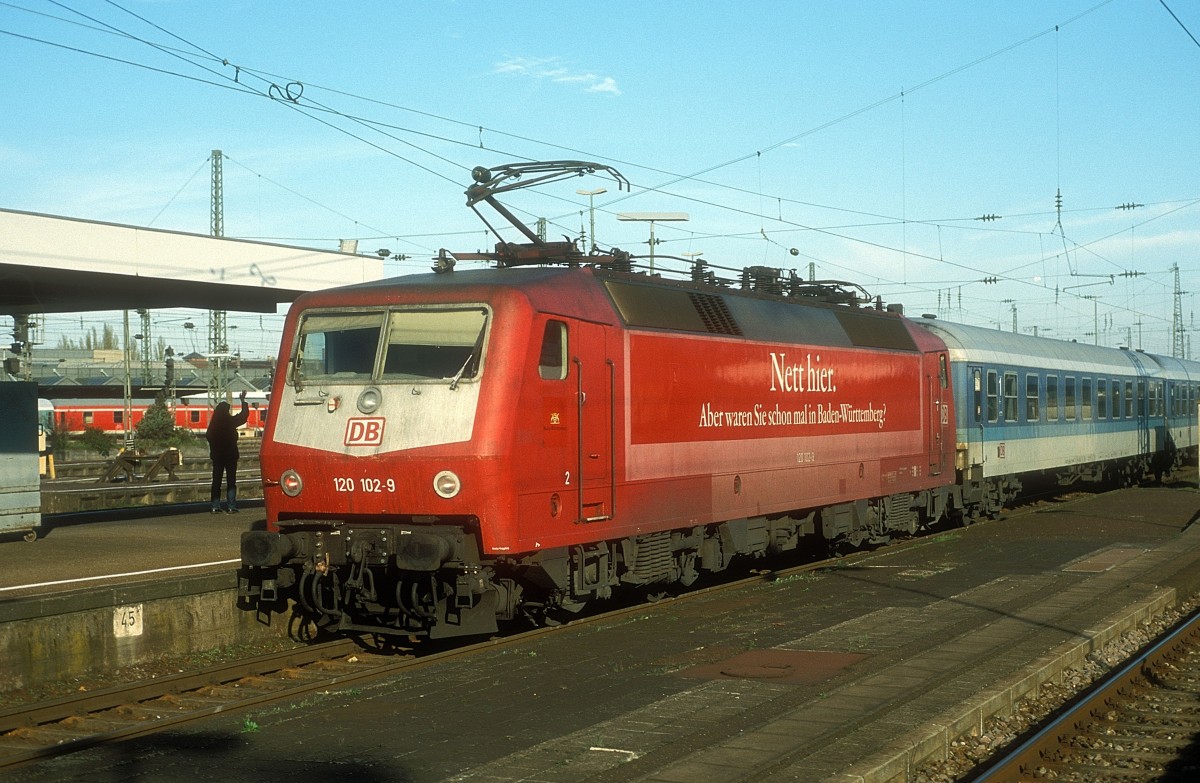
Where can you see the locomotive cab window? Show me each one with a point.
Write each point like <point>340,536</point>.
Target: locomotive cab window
<point>414,345</point>
<point>434,344</point>
<point>552,360</point>
<point>336,345</point>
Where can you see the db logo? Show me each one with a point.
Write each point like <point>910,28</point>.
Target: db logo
<point>364,432</point>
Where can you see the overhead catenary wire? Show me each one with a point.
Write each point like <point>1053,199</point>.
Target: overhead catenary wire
<point>796,226</point>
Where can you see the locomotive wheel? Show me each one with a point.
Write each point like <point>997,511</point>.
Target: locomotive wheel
<point>563,613</point>
<point>303,628</point>
<point>309,594</point>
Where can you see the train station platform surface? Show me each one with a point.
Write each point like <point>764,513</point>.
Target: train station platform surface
<point>850,674</point>
<point>83,551</point>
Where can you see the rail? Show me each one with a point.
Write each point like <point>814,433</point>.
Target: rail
<point>1089,740</point>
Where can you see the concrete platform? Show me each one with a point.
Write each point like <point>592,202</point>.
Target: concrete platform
<point>854,673</point>
<point>79,550</point>
<point>108,590</point>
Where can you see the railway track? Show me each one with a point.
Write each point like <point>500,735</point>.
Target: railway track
<point>39,731</point>
<point>1141,723</point>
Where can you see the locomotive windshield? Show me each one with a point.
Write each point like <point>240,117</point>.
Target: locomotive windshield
<point>420,345</point>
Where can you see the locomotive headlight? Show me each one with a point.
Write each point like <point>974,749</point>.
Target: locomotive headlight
<point>446,484</point>
<point>368,401</point>
<point>290,483</point>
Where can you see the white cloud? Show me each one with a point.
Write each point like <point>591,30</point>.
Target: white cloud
<point>554,70</point>
<point>607,84</point>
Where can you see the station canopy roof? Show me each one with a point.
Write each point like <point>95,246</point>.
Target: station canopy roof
<point>51,264</point>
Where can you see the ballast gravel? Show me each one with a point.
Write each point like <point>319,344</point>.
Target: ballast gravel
<point>968,752</point>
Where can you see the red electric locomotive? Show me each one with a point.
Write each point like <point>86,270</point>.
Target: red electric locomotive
<point>455,448</point>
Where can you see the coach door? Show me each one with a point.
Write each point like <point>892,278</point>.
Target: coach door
<point>939,415</point>
<point>595,387</point>
<point>975,416</point>
<point>1141,403</point>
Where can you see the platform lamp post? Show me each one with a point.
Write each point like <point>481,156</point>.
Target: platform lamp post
<point>591,194</point>
<point>652,218</point>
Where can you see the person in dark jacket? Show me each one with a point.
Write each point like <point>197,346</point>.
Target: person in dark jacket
<point>222,440</point>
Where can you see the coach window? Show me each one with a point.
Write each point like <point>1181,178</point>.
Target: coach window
<point>118,417</point>
<point>1156,398</point>
<point>1102,399</point>
<point>1085,412</point>
<point>1129,399</point>
<point>195,417</point>
<point>1140,398</point>
<point>993,396</point>
<point>552,362</point>
<point>1069,402</point>
<point>88,417</point>
<point>1010,396</point>
<point>1051,398</point>
<point>1032,389</point>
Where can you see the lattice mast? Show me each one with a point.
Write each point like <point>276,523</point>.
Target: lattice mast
<point>1177,339</point>
<point>218,335</point>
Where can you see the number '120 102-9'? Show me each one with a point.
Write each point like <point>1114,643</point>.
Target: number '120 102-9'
<point>346,484</point>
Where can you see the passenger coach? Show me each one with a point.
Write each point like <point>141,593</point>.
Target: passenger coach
<point>1032,407</point>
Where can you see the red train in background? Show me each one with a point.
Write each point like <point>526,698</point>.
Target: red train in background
<point>192,413</point>
<point>453,449</point>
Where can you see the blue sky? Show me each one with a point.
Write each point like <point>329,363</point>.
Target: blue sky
<point>868,137</point>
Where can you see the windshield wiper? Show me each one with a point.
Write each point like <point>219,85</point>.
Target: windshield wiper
<point>458,375</point>
<point>476,352</point>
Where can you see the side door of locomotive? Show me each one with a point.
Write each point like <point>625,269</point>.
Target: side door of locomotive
<point>594,374</point>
